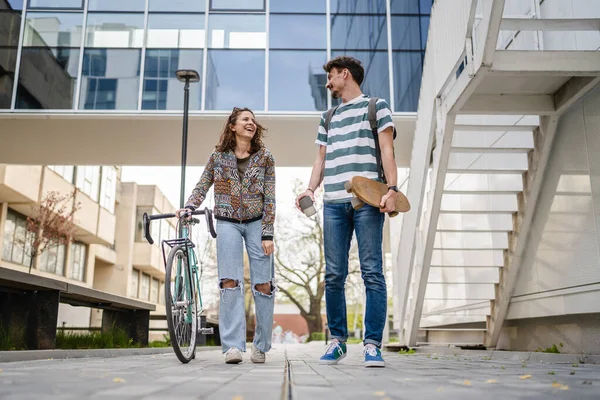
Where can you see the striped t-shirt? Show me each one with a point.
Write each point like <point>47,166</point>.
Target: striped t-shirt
<point>350,145</point>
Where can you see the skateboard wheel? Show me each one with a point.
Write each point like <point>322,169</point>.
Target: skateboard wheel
<point>392,214</point>
<point>348,186</point>
<point>357,203</point>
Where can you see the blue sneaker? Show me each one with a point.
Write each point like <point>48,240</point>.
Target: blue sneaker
<point>335,352</point>
<point>373,356</point>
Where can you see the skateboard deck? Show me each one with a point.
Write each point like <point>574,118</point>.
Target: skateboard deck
<point>365,190</point>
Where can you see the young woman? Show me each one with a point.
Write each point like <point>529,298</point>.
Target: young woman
<point>243,173</point>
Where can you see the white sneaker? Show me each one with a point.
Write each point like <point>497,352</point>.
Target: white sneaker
<point>257,357</point>
<point>233,356</point>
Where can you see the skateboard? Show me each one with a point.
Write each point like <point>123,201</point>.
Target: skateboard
<point>365,190</point>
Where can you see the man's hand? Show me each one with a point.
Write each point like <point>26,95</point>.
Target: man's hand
<point>308,193</point>
<point>184,211</point>
<point>388,202</point>
<point>268,247</point>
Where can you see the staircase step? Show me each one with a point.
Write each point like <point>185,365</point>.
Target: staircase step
<point>487,192</point>
<point>503,150</point>
<point>484,171</point>
<point>477,212</point>
<point>495,128</point>
<point>473,230</point>
<point>550,24</point>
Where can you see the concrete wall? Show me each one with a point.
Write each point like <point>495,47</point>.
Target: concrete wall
<point>557,297</point>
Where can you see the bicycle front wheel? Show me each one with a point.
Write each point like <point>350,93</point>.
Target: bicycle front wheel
<point>181,304</point>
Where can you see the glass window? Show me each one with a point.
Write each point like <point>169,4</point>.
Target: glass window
<point>295,6</point>
<point>425,6</point>
<point>177,5</point>
<point>10,23</point>
<point>307,86</point>
<point>406,33</point>
<point>424,31</point>
<point>17,240</point>
<point>66,171</point>
<point>407,80</point>
<point>9,61</point>
<point>117,5</point>
<point>9,235</point>
<point>162,90</point>
<point>115,30</point>
<point>53,29</point>
<point>404,6</point>
<point>53,259</point>
<point>48,78</point>
<point>110,79</point>
<point>144,287</point>
<point>161,293</point>
<point>358,6</point>
<point>135,282</point>
<point>251,5</point>
<point>234,31</point>
<point>235,78</point>
<point>154,291</point>
<point>377,72</point>
<point>87,179</point>
<point>298,32</point>
<point>176,30</point>
<point>78,258</point>
<point>56,4</point>
<point>15,5</point>
<point>364,32</point>
<point>108,188</point>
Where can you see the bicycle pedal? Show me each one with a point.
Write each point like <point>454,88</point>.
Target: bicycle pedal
<point>206,331</point>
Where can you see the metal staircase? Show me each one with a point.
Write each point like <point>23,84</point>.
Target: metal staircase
<point>488,111</point>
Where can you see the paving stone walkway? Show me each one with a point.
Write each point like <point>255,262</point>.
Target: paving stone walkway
<point>419,376</point>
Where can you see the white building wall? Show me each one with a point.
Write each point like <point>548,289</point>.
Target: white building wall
<point>561,270</point>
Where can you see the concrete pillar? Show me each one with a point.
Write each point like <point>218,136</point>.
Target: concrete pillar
<point>30,318</point>
<point>135,323</point>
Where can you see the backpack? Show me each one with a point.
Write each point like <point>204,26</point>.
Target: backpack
<point>372,112</point>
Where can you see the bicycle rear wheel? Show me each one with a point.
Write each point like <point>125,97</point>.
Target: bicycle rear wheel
<point>181,305</point>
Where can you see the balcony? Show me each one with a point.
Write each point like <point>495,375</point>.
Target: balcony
<point>148,258</point>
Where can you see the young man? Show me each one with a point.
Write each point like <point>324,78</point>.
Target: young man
<point>347,149</point>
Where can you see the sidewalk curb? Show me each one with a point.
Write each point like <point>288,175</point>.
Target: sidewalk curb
<point>526,356</point>
<point>31,355</point>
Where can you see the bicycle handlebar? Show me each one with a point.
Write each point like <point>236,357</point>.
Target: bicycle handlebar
<point>208,214</point>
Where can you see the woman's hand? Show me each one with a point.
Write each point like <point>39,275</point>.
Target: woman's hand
<point>182,211</point>
<point>268,247</point>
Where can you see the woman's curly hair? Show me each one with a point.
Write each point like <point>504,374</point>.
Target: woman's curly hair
<point>227,139</point>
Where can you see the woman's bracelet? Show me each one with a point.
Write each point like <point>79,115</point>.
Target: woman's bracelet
<point>310,189</point>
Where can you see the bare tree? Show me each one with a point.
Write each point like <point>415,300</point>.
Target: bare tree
<point>52,223</point>
<point>300,263</point>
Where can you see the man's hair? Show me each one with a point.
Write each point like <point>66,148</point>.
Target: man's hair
<point>352,64</point>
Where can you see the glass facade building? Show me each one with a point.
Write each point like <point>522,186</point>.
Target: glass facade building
<point>262,54</point>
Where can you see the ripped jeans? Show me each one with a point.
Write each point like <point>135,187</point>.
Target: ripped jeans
<point>230,261</point>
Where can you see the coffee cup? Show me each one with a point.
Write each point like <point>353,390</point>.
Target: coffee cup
<point>307,206</point>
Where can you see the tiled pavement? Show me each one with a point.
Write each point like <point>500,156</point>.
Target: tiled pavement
<point>417,376</point>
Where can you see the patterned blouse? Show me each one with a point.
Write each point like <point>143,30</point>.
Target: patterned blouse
<point>249,199</point>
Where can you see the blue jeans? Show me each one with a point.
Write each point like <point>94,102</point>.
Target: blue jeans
<point>339,221</point>
<point>230,262</point>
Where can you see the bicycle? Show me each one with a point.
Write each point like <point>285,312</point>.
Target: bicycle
<point>182,283</point>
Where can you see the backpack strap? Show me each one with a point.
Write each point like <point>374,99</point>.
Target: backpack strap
<point>372,113</point>
<point>328,117</point>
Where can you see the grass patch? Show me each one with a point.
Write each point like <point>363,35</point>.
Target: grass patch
<point>114,339</point>
<point>405,352</point>
<point>11,340</point>
<point>353,340</point>
<point>553,349</point>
